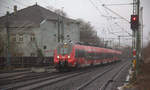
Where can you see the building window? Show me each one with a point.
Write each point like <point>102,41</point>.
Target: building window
<point>44,47</point>
<point>21,37</point>
<point>68,36</point>
<point>54,35</point>
<point>32,38</point>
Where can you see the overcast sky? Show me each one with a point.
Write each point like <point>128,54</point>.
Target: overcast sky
<point>92,11</point>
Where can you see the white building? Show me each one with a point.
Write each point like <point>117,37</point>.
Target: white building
<point>35,27</point>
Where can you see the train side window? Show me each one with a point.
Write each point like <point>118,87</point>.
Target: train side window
<point>96,56</point>
<point>109,55</point>
<point>82,53</point>
<point>104,55</point>
<point>88,56</point>
<point>79,53</point>
<point>76,52</point>
<point>100,56</point>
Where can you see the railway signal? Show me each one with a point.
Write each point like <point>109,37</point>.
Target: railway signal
<point>134,22</point>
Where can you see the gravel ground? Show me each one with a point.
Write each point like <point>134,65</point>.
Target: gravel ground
<point>143,79</point>
<point>120,80</point>
<point>99,82</point>
<point>73,83</point>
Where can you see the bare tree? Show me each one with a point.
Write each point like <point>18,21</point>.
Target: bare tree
<point>88,34</point>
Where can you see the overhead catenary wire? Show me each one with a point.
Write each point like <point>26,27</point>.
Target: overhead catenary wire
<point>104,5</point>
<point>100,11</point>
<point>122,29</point>
<point>104,9</point>
<point>96,7</point>
<point>120,4</point>
<point>109,17</point>
<point>101,14</point>
<point>115,13</point>
<point>119,27</point>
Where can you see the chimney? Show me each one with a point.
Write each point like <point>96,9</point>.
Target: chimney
<point>15,9</point>
<point>36,3</point>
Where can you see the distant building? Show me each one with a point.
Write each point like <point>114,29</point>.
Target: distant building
<point>35,28</point>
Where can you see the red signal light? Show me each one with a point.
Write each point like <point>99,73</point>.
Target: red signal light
<point>134,22</point>
<point>134,18</point>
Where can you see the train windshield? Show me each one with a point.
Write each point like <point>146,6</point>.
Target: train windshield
<point>64,49</point>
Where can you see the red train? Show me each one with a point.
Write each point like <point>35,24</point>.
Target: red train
<point>68,56</point>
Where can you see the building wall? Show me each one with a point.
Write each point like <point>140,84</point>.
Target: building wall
<point>44,37</point>
<point>72,32</point>
<point>25,41</point>
<point>20,41</point>
<point>49,35</point>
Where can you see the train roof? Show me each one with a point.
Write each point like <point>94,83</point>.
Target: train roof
<point>91,48</point>
<point>97,49</point>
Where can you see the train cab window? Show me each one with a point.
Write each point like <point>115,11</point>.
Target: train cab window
<point>64,49</point>
<point>76,52</point>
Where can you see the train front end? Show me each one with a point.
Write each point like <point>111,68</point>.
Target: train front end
<point>63,57</point>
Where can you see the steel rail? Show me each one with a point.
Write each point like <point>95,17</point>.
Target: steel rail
<point>104,86</point>
<point>90,81</point>
<point>31,81</point>
<point>32,76</point>
<point>96,77</point>
<point>56,80</point>
<point>8,75</point>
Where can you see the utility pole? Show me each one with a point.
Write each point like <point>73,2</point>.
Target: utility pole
<point>141,22</point>
<point>119,40</point>
<point>136,32</point>
<point>62,26</point>
<point>8,41</point>
<point>62,29</point>
<point>138,43</point>
<point>58,34</point>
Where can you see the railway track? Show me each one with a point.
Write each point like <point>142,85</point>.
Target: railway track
<point>20,76</point>
<point>113,78</point>
<point>24,77</point>
<point>90,81</point>
<point>62,79</point>
<point>43,80</point>
<point>39,81</point>
<point>12,74</point>
<point>104,86</point>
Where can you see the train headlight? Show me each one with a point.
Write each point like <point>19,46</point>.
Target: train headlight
<point>57,56</point>
<point>68,56</point>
